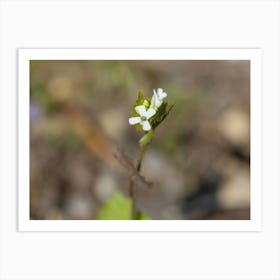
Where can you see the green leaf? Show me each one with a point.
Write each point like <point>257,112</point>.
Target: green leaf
<point>118,207</point>
<point>142,216</point>
<point>146,139</point>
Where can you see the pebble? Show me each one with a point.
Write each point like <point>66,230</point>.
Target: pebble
<point>105,185</point>
<point>234,125</point>
<point>235,192</point>
<point>114,123</point>
<point>79,206</point>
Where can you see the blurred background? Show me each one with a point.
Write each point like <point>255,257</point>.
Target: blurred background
<point>198,162</point>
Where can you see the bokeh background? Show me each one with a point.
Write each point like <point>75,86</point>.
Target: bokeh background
<point>199,161</point>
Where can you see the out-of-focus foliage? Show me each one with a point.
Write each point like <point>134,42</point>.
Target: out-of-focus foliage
<point>118,207</point>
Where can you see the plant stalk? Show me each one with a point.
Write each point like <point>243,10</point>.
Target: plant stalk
<point>132,187</point>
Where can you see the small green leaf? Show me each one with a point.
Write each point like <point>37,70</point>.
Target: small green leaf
<point>146,139</point>
<point>118,207</point>
<point>142,216</point>
<point>138,127</point>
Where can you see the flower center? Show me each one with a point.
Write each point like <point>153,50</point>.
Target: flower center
<point>143,118</point>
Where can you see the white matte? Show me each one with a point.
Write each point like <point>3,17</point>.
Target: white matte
<point>192,255</point>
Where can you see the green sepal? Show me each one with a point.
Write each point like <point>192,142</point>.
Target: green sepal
<point>138,127</point>
<point>139,101</point>
<point>161,114</point>
<point>146,139</point>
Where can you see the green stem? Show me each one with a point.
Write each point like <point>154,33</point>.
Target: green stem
<point>139,163</point>
<point>132,187</point>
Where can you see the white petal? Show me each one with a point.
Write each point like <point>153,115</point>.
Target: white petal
<point>146,125</point>
<point>159,91</point>
<point>134,120</point>
<point>150,112</point>
<point>153,100</point>
<point>159,102</point>
<point>141,110</point>
<point>162,95</point>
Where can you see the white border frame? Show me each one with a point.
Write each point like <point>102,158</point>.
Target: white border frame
<point>254,55</point>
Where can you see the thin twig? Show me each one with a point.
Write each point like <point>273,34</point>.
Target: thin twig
<point>131,169</point>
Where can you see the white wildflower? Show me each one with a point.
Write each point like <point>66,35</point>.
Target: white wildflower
<point>144,116</point>
<point>157,98</point>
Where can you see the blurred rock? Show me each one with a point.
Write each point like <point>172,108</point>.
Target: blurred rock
<point>52,127</point>
<point>105,185</point>
<point>231,166</point>
<point>79,172</point>
<point>79,206</point>
<point>235,192</point>
<point>60,87</point>
<point>172,212</point>
<point>114,123</point>
<point>234,125</point>
<point>163,173</point>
